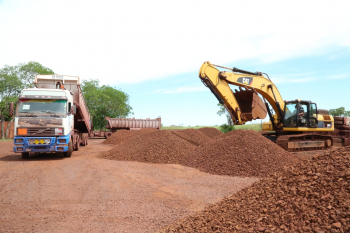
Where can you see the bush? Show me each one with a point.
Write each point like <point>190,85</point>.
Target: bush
<point>226,128</point>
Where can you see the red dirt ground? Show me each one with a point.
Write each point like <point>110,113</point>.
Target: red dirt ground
<point>49,193</point>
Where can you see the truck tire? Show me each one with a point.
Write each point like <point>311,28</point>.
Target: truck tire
<point>77,144</point>
<point>70,150</point>
<point>25,155</point>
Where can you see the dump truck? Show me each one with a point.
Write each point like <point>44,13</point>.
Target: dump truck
<point>114,124</point>
<point>294,125</point>
<point>52,117</point>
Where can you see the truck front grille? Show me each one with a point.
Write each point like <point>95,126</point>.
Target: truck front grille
<point>39,131</point>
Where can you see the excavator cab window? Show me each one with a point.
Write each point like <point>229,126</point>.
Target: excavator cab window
<point>300,114</point>
<point>303,114</point>
<point>290,116</point>
<point>313,115</point>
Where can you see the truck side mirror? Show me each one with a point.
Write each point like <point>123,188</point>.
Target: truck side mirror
<point>11,109</point>
<point>74,110</point>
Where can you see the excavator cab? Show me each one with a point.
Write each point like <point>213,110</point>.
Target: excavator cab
<point>300,113</point>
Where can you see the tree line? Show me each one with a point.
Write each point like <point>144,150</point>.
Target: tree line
<point>105,101</point>
<point>102,100</point>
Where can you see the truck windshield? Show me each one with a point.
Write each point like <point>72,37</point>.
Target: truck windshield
<point>42,107</point>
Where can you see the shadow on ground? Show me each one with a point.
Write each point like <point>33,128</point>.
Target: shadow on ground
<point>33,157</point>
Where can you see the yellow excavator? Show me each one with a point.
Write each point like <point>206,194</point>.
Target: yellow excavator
<point>294,125</point>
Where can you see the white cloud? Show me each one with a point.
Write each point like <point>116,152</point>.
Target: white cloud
<point>181,90</point>
<point>293,78</point>
<point>134,41</point>
<point>338,76</point>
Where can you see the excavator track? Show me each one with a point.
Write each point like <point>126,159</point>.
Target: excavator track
<point>304,142</point>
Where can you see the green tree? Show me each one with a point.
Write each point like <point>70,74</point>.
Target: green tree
<point>105,101</point>
<point>12,80</point>
<point>229,125</point>
<point>10,88</point>
<point>340,112</point>
<point>26,72</point>
<point>225,128</point>
<point>223,111</point>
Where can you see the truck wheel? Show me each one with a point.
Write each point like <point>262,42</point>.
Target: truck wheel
<point>25,155</point>
<point>69,151</point>
<point>77,145</point>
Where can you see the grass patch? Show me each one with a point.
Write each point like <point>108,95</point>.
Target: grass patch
<point>6,139</point>
<point>256,127</point>
<point>191,127</point>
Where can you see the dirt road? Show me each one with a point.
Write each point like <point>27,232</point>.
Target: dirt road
<point>49,193</point>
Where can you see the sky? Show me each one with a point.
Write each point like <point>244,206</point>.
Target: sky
<point>153,50</point>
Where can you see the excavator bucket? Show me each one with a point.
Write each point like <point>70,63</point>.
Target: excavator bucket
<point>251,105</point>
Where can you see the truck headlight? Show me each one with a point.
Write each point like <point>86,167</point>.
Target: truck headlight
<point>31,141</point>
<point>22,131</point>
<point>47,141</point>
<point>36,141</point>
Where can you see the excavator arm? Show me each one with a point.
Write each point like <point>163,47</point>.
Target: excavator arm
<point>243,105</point>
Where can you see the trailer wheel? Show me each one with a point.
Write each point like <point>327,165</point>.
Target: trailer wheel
<point>25,155</point>
<point>85,138</point>
<point>70,150</point>
<point>107,135</point>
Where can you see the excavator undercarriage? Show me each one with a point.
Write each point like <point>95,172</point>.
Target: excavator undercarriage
<point>304,142</point>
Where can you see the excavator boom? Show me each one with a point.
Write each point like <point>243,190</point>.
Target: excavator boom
<point>245,104</point>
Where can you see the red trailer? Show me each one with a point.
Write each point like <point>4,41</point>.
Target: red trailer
<point>114,124</point>
<point>132,124</point>
<point>341,133</point>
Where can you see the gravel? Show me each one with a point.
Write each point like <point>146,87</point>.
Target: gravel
<point>240,153</point>
<point>243,153</point>
<point>196,137</point>
<point>211,132</point>
<point>122,135</point>
<point>155,147</point>
<point>312,196</point>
